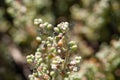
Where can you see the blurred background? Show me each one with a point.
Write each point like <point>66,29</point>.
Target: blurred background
<point>94,25</point>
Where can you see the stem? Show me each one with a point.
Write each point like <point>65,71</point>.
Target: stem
<point>65,64</point>
<point>66,60</point>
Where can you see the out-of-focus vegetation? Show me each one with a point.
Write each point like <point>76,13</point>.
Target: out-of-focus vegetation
<point>94,24</point>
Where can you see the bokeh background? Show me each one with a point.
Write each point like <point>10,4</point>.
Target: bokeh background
<point>94,25</point>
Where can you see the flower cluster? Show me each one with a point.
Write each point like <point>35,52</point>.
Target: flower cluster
<point>52,60</point>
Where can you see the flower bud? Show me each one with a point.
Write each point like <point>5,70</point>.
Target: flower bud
<point>35,74</point>
<point>75,69</point>
<point>41,26</point>
<point>38,39</point>
<point>73,48</point>
<point>46,77</point>
<point>37,21</point>
<point>52,73</point>
<point>29,61</point>
<point>46,23</point>
<point>38,54</point>
<point>78,57</point>
<point>71,43</point>
<point>66,78</point>
<point>49,26</point>
<point>39,60</point>
<point>66,23</point>
<point>52,49</point>
<point>48,45</point>
<point>56,29</point>
<point>30,56</point>
<point>60,43</point>
<point>50,38</point>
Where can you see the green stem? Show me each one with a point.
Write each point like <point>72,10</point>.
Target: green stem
<point>65,64</point>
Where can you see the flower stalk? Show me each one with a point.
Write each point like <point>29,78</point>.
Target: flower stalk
<point>52,60</point>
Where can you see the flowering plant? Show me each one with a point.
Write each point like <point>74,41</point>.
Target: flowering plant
<point>52,60</point>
